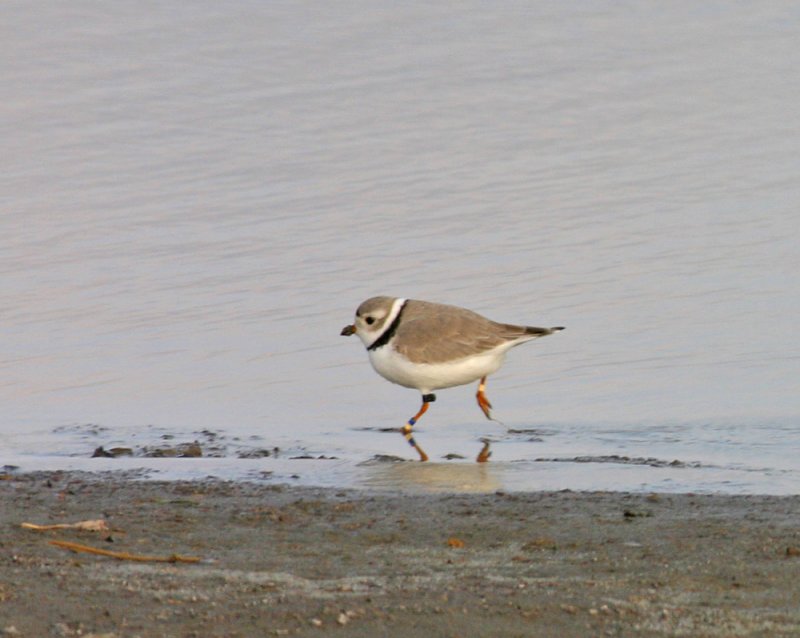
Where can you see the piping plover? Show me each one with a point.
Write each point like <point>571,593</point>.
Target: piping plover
<point>430,346</point>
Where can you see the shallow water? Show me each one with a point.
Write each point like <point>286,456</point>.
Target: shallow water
<point>196,199</point>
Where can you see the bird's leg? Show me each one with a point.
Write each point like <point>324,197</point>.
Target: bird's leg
<point>426,399</point>
<point>483,402</point>
<point>485,452</point>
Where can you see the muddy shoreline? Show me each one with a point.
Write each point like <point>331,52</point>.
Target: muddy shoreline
<point>281,560</point>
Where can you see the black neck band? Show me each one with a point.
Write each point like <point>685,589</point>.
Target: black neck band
<point>389,332</point>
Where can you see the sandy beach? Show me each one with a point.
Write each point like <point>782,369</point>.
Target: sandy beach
<point>278,560</point>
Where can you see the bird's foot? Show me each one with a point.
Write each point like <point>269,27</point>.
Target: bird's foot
<point>484,405</point>
<point>410,438</point>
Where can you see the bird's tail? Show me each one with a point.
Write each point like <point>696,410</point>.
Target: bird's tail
<point>541,332</point>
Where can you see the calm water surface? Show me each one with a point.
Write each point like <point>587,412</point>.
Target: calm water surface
<point>195,198</point>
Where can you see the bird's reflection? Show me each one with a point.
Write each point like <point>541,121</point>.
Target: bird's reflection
<point>434,477</point>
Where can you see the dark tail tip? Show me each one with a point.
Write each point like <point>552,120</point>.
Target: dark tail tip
<point>540,332</point>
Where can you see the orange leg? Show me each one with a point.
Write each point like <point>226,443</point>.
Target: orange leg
<point>483,402</point>
<point>426,399</point>
<point>486,407</point>
<point>485,453</point>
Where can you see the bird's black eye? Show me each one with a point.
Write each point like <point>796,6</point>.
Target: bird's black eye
<point>370,320</point>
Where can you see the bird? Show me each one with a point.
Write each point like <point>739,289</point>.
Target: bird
<point>432,346</point>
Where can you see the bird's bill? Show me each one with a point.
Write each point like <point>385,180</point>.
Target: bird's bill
<point>348,330</point>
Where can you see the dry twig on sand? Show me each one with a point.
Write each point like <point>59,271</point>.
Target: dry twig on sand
<point>173,558</point>
<point>98,525</point>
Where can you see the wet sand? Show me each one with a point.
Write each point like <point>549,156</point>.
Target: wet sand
<point>278,560</point>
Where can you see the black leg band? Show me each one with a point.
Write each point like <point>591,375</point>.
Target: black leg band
<point>428,398</point>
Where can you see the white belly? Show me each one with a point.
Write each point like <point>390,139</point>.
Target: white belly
<point>427,377</point>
